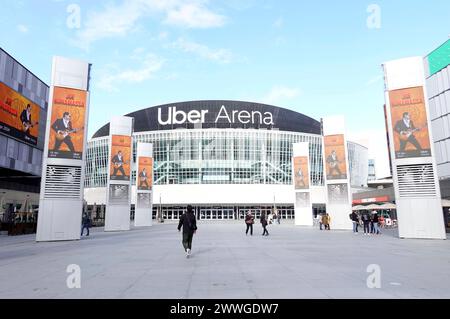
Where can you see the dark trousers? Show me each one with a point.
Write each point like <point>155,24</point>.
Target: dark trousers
<point>265,232</point>
<point>67,140</point>
<point>412,140</point>
<point>249,226</point>
<point>366,227</point>
<point>187,240</point>
<point>120,168</point>
<point>82,230</point>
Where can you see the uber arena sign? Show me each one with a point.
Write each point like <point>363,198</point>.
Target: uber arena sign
<point>175,116</point>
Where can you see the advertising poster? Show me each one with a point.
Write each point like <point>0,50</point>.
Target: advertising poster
<point>336,167</point>
<point>409,123</point>
<point>67,123</point>
<point>118,194</point>
<point>143,200</point>
<point>337,193</point>
<point>19,117</point>
<point>301,180</point>
<point>145,172</point>
<point>302,199</point>
<point>120,157</point>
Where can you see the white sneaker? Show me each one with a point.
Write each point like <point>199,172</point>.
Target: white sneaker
<point>188,252</point>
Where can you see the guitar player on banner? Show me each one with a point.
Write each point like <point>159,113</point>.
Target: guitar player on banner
<point>333,164</point>
<point>118,163</point>
<point>63,128</point>
<point>405,128</point>
<point>25,118</point>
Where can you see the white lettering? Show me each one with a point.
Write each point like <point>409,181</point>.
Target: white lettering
<point>253,117</point>
<point>169,115</point>
<point>374,279</point>
<point>268,119</point>
<point>194,116</point>
<point>223,116</point>
<point>74,279</point>
<point>244,117</point>
<point>175,115</point>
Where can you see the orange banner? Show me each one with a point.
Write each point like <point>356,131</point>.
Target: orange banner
<point>120,157</point>
<point>336,167</point>
<point>67,123</point>
<point>409,123</point>
<point>19,117</point>
<point>145,173</point>
<point>301,180</point>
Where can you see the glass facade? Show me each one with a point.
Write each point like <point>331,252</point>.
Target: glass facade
<point>213,156</point>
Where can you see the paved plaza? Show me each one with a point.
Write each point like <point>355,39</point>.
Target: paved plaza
<point>293,262</point>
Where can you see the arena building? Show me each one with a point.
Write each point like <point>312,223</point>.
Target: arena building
<point>222,157</point>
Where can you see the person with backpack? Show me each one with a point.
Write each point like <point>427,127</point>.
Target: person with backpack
<point>355,221</point>
<point>189,224</point>
<point>249,221</point>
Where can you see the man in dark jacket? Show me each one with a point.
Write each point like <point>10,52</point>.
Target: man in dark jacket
<point>355,221</point>
<point>86,223</point>
<point>189,224</point>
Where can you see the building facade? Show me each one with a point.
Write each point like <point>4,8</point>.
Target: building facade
<point>437,72</point>
<point>23,112</point>
<point>223,157</point>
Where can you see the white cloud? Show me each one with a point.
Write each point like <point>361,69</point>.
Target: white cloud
<point>113,77</point>
<point>194,15</point>
<point>376,142</point>
<point>22,28</point>
<point>278,22</point>
<point>279,93</point>
<point>118,20</point>
<point>217,55</point>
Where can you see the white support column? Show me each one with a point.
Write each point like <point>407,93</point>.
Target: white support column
<point>144,185</point>
<point>62,183</point>
<point>336,172</point>
<point>416,184</point>
<point>301,183</point>
<point>118,198</point>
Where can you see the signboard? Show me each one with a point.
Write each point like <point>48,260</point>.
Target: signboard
<point>67,123</point>
<point>120,157</point>
<point>337,193</point>
<point>372,200</point>
<point>336,167</point>
<point>19,117</point>
<point>301,180</point>
<point>409,123</point>
<point>144,175</point>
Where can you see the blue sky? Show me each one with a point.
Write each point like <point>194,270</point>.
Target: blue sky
<point>315,57</point>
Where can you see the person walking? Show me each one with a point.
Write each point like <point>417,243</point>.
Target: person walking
<point>249,221</point>
<point>355,221</point>
<point>85,224</point>
<point>189,224</point>
<point>279,218</point>
<point>264,224</point>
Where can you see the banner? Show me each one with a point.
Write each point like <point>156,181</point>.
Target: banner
<point>409,123</point>
<point>336,167</point>
<point>120,157</point>
<point>301,180</point>
<point>144,173</point>
<point>67,123</point>
<point>119,194</point>
<point>19,117</point>
<point>302,199</point>
<point>337,193</point>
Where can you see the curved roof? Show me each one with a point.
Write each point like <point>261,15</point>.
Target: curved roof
<point>219,114</point>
